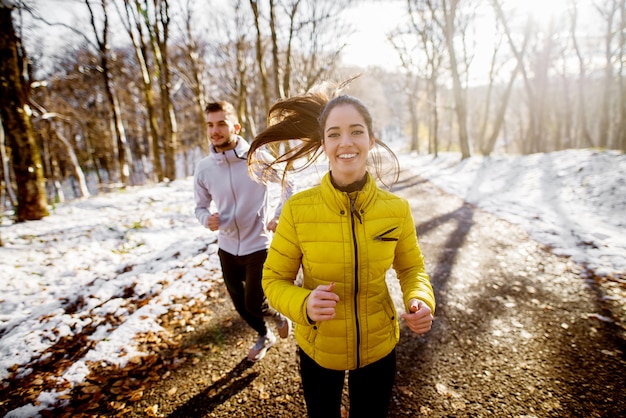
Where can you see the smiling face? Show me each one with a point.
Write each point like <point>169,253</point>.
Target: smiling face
<point>221,130</point>
<point>347,142</point>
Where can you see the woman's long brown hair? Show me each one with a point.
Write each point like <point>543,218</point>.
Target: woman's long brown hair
<point>298,122</point>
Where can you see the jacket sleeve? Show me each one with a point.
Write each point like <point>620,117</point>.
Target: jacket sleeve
<point>281,268</point>
<point>409,266</point>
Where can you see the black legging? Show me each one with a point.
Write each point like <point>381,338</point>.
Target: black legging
<point>242,276</point>
<point>369,388</point>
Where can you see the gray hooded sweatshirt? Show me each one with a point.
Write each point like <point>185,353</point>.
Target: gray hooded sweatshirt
<point>222,178</point>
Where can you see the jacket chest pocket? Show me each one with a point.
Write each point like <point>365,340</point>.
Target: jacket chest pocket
<point>390,235</point>
<point>385,241</point>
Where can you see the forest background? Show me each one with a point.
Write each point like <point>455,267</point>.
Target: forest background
<point>114,95</point>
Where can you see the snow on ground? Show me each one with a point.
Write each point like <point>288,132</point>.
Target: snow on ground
<point>573,201</point>
<point>84,268</point>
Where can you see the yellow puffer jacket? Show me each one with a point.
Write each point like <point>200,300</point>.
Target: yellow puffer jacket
<point>318,231</point>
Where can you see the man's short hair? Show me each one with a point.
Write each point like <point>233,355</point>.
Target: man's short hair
<point>223,106</point>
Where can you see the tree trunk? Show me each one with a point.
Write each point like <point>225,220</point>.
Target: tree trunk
<point>78,171</point>
<point>196,82</point>
<point>539,107</point>
<point>412,107</point>
<point>582,130</point>
<point>434,125</point>
<point>482,132</point>
<point>5,167</point>
<point>259,55</point>
<point>531,134</point>
<point>141,52</point>
<point>32,203</point>
<point>170,131</point>
<point>604,129</point>
<point>123,150</point>
<point>497,126</point>
<point>279,91</point>
<point>242,92</point>
<point>120,145</point>
<point>292,30</point>
<point>460,107</point>
<point>622,89</point>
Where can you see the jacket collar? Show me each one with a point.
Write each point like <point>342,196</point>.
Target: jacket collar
<point>339,201</point>
<point>240,152</point>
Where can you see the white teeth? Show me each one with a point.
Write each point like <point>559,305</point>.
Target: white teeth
<point>347,155</point>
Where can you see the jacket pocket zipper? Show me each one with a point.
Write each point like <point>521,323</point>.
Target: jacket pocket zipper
<point>382,236</point>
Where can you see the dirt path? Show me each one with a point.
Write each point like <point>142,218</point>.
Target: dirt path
<point>518,333</point>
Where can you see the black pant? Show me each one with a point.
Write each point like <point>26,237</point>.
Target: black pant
<point>369,388</point>
<point>242,276</point>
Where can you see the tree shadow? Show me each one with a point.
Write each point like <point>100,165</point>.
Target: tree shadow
<point>407,183</point>
<point>216,394</point>
<point>463,217</point>
<point>519,280</point>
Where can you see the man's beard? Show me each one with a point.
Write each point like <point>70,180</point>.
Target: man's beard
<point>226,144</point>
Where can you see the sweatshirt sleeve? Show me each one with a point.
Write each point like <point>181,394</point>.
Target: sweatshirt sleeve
<point>202,197</point>
<point>287,192</point>
<point>263,171</point>
<point>410,268</point>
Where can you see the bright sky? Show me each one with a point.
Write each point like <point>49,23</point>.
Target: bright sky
<point>374,19</point>
<point>542,10</point>
<point>368,46</point>
<point>148,240</point>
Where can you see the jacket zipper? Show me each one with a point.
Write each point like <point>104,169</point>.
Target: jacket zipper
<point>232,190</point>
<point>353,213</point>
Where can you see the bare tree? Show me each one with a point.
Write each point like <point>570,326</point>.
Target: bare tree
<point>608,10</point>
<point>6,178</point>
<point>230,66</point>
<point>581,119</point>
<point>254,5</point>
<point>498,123</point>
<point>102,42</point>
<point>51,134</point>
<point>320,36</point>
<point>32,203</point>
<point>279,91</point>
<point>530,143</point>
<point>487,141</point>
<point>410,86</point>
<point>195,77</point>
<point>448,25</point>
<point>133,22</point>
<point>159,34</point>
<point>425,56</point>
<point>621,143</point>
<point>446,21</point>
<point>75,92</point>
<point>311,32</point>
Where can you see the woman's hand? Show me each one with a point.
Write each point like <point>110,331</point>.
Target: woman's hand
<point>419,319</point>
<point>320,306</point>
